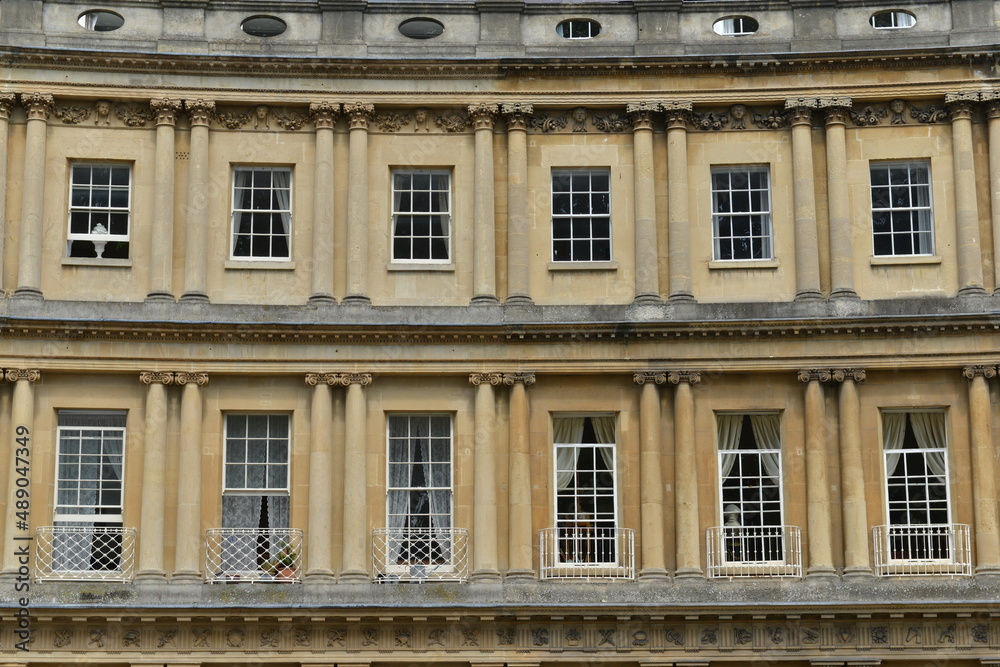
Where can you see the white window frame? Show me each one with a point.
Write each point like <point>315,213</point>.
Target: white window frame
<point>735,26</point>
<point>404,210</point>
<point>98,216</point>
<point>243,243</point>
<point>922,213</point>
<point>731,204</point>
<point>269,491</point>
<point>898,20</point>
<point>566,29</point>
<point>580,224</point>
<point>103,433</point>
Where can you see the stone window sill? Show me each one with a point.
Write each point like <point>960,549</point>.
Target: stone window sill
<point>743,264</point>
<point>888,260</point>
<point>259,266</point>
<point>97,261</point>
<point>583,266</point>
<point>418,266</point>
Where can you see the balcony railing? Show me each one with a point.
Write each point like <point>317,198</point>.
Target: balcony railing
<point>754,551</point>
<point>933,549</point>
<point>587,553</point>
<point>420,554</point>
<point>253,555</point>
<point>84,553</point>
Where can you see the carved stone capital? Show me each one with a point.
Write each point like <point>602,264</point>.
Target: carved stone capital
<point>313,379</point>
<point>642,114</point>
<point>800,110</point>
<point>835,109</point>
<point>854,374</point>
<point>979,371</point>
<point>359,115</point>
<point>200,379</point>
<point>7,101</point>
<point>156,377</point>
<point>678,113</point>
<point>527,379</point>
<point>518,115</point>
<point>960,105</point>
<point>834,102</point>
<point>656,377</point>
<point>363,379</point>
<point>490,378</point>
<point>324,114</point>
<point>691,377</point>
<point>38,106</point>
<point>483,115</point>
<point>200,111</point>
<point>166,110</point>
<point>802,103</point>
<point>993,108</point>
<point>814,375</point>
<point>29,374</point>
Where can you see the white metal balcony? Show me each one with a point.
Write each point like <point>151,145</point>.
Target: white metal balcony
<point>253,555</point>
<point>754,551</point>
<point>420,554</point>
<point>587,553</point>
<point>84,553</point>
<point>920,550</point>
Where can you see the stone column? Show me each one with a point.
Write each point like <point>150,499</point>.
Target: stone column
<point>804,196</point>
<point>318,547</point>
<point>359,116</point>
<point>818,523</point>
<point>484,277</point>
<point>324,115</point>
<point>970,258</point>
<point>188,556</point>
<point>29,268</point>
<point>678,222</point>
<point>161,252</point>
<point>356,532</point>
<point>200,113</point>
<point>651,476</point>
<point>854,510</point>
<point>154,487</point>
<point>7,101</point>
<point>484,504</point>
<point>688,536</point>
<point>519,533</point>
<point>984,464</point>
<point>992,98</point>
<point>518,285</point>
<point>647,283</point>
<point>17,531</point>
<point>838,203</point>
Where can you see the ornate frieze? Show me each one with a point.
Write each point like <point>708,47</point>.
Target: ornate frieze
<point>73,115</point>
<point>233,120</point>
<point>390,122</point>
<point>291,121</point>
<point>134,115</point>
<point>452,121</point>
<point>612,122</point>
<point>545,123</point>
<point>868,115</point>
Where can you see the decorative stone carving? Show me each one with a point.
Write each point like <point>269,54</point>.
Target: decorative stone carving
<point>738,114</point>
<point>236,638</point>
<point>391,122</point>
<point>421,120</point>
<point>201,379</point>
<point>345,379</point>
<point>835,109</point>
<point>691,377</point>
<point>540,636</point>
<point>369,636</point>
<point>642,377</point>
<point>261,117</point>
<point>505,636</point>
<point>73,115</point>
<point>452,121</point>
<point>880,634</point>
<point>868,115</point>
<point>103,110</point>
<point>960,105</point>
<point>709,636</point>
<point>131,639</point>
<point>776,634</point>
<point>470,636</point>
<point>710,121</point>
<point>402,637</point>
<point>980,634</point>
<point>97,636</point>
<point>641,114</point>
<point>156,377</point>
<point>38,106</point>
<point>491,378</point>
<point>436,637</point>
<point>527,379</point>
<point>313,379</point>
<point>15,374</point>
<point>913,635</point>
<point>545,123</point>
<point>291,121</point>
<point>166,110</point>
<point>7,101</point>
<point>335,637</point>
<point>232,120</point>
<point>269,638</point>
<point>856,374</point>
<point>673,636</point>
<point>814,374</point>
<point>200,111</point>
<point>201,637</point>
<point>134,115</point>
<point>518,115</point>
<point>898,110</point>
<point>324,114</point>
<point>929,114</point>
<point>770,120</point>
<point>640,638</point>
<point>166,637</point>
<point>981,371</point>
<point>483,116</point>
<point>359,115</point>
<point>612,122</point>
<point>62,638</point>
<point>946,635</point>
<point>742,636</point>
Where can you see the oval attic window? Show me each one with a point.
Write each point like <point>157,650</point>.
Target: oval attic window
<point>736,26</point>
<point>100,20</point>
<point>578,28</point>
<point>892,19</point>
<point>263,26</point>
<point>421,28</point>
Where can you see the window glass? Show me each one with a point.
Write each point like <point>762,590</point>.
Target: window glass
<point>262,213</point>
<point>421,28</point>
<point>736,26</point>
<point>263,26</point>
<point>581,215</point>
<point>578,29</point>
<point>892,19</point>
<point>101,20</point>
<point>902,218</point>
<point>741,213</point>
<point>421,216</point>
<point>99,210</point>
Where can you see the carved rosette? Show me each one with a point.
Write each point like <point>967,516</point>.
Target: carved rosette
<point>527,379</point>
<point>800,110</point>
<point>29,374</point>
<point>853,374</point>
<point>363,379</point>
<point>156,377</point>
<point>987,372</point>
<point>324,114</point>
<point>641,114</point>
<point>359,115</point>
<point>835,109</point>
<point>929,114</point>
<point>814,375</point>
<point>200,111</point>
<point>517,115</point>
<point>656,377</point>
<point>166,110</point>
<point>7,101</point>
<point>38,106</point>
<point>678,113</point>
<point>483,115</point>
<point>313,379</point>
<point>200,379</point>
<point>868,116</point>
<point>691,377</point>
<point>490,378</point>
<point>232,120</point>
<point>290,121</point>
<point>960,105</point>
<point>72,115</point>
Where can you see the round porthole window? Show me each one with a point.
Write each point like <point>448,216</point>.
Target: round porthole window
<point>100,20</point>
<point>736,26</point>
<point>578,28</point>
<point>421,28</point>
<point>892,19</point>
<point>263,26</point>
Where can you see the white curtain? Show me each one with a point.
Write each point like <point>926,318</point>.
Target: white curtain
<point>893,431</point>
<point>730,431</point>
<point>928,429</point>
<point>281,181</point>
<point>767,433</point>
<point>604,429</point>
<point>565,431</point>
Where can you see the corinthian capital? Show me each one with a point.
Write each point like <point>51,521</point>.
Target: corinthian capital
<point>7,101</point>
<point>518,114</point>
<point>166,110</point>
<point>200,111</point>
<point>38,106</point>
<point>324,114</point>
<point>483,115</point>
<point>359,115</point>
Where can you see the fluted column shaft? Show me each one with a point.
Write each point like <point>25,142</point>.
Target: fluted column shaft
<point>7,101</point>
<point>161,252</point>
<point>29,269</point>
<point>804,196</point>
<point>484,280</point>
<point>678,222</point>
<point>984,466</point>
<point>318,547</point>
<point>484,521</point>
<point>195,255</point>
<point>817,483</point>
<point>154,487</point>
<point>355,479</point>
<point>17,533</point>
<point>993,114</point>
<point>970,259</point>
<point>854,507</point>
<point>519,531</point>
<point>647,283</point>
<point>838,202</point>
<point>651,476</point>
<point>324,116</point>
<point>357,203</point>
<point>187,559</point>
<point>688,537</point>
<point>518,285</point>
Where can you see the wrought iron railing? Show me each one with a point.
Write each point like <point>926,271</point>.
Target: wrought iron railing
<point>420,554</point>
<point>84,553</point>
<point>253,555</point>
<point>587,553</point>
<point>754,551</point>
<point>932,549</point>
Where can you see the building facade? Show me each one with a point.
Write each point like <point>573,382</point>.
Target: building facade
<point>499,333</point>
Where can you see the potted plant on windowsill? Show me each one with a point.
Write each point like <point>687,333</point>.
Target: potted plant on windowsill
<point>283,564</point>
